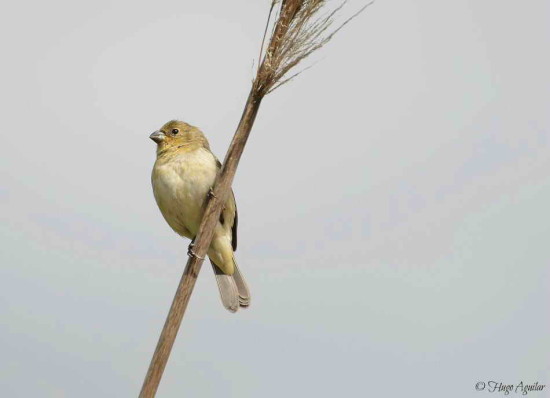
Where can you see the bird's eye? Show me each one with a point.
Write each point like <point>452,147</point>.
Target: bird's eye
<point>175,131</point>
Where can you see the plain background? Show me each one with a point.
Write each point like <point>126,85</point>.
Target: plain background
<point>394,223</point>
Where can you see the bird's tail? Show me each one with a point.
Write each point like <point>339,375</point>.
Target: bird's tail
<point>242,287</point>
<point>233,288</point>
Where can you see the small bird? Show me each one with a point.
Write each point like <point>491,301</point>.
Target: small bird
<point>182,178</point>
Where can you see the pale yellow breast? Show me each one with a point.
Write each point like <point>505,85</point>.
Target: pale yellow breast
<point>181,184</point>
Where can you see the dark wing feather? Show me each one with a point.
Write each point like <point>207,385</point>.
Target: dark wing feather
<point>236,220</point>
<point>234,227</point>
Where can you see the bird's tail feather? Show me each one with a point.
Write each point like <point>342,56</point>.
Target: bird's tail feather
<point>228,289</point>
<point>242,287</point>
<point>233,288</point>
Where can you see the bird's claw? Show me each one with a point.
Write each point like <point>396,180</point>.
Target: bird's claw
<point>211,193</point>
<point>191,253</point>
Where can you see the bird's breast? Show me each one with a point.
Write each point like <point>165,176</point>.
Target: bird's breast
<point>181,185</point>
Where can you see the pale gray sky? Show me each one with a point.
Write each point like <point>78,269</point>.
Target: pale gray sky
<point>393,201</point>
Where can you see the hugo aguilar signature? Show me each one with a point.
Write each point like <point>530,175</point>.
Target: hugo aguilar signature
<point>521,387</point>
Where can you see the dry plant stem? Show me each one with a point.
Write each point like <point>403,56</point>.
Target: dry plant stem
<point>214,207</point>
<point>299,31</point>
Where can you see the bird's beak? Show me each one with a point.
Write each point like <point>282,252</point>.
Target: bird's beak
<point>158,136</point>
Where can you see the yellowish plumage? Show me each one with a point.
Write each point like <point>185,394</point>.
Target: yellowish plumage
<point>183,174</point>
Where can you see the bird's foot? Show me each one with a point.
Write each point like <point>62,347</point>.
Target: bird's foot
<point>191,253</point>
<point>211,194</point>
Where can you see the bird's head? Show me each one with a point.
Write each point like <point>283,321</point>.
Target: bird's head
<point>179,135</point>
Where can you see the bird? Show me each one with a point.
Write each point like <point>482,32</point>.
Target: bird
<point>182,178</point>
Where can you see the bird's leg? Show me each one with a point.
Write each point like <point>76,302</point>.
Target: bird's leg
<point>190,251</point>
<point>211,193</point>
<point>190,247</point>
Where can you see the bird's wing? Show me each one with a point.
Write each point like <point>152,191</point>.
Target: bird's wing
<point>229,215</point>
<point>235,220</point>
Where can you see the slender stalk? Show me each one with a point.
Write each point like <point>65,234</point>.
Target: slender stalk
<point>299,31</point>
<point>214,207</point>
